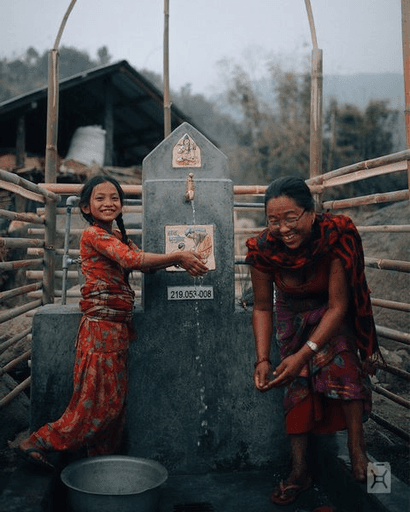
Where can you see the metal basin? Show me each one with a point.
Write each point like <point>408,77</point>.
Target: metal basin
<point>115,482</point>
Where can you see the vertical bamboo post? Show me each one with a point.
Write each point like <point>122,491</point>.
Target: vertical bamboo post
<point>51,164</point>
<point>50,177</point>
<point>167,103</point>
<point>405,18</point>
<point>316,103</point>
<point>316,114</point>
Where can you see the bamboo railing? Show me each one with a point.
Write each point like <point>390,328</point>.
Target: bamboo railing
<point>35,247</point>
<point>44,252</point>
<point>28,190</point>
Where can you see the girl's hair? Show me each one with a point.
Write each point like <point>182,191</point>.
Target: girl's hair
<point>292,187</point>
<point>85,197</point>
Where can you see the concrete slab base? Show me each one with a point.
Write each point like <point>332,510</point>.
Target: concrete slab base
<point>33,490</point>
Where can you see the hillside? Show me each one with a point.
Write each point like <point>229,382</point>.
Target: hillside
<point>359,89</point>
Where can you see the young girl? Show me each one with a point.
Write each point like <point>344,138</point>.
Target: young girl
<point>95,415</point>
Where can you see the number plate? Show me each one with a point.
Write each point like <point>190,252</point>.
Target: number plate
<point>190,292</point>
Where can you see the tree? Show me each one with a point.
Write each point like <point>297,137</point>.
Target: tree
<point>351,135</point>
<point>103,55</point>
<point>273,136</point>
<point>30,72</point>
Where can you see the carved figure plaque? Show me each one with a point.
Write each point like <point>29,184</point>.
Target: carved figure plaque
<point>186,153</point>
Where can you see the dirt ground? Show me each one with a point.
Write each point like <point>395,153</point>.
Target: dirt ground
<point>381,443</point>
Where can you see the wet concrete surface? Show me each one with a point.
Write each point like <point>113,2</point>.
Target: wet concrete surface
<point>30,489</point>
<point>33,490</point>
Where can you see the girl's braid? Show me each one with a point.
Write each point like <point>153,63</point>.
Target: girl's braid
<point>120,224</point>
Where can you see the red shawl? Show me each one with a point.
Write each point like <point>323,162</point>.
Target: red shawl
<point>331,234</point>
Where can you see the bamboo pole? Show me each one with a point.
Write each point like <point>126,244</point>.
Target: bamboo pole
<point>75,231</point>
<point>22,192</point>
<point>4,346</point>
<point>390,304</point>
<point>52,161</point>
<point>16,391</point>
<point>15,362</point>
<point>394,371</point>
<point>39,274</point>
<point>395,228</point>
<point>391,228</point>
<point>31,218</point>
<point>23,184</point>
<point>19,264</point>
<point>32,251</point>
<point>391,396</point>
<point>383,264</point>
<point>75,188</point>
<point>15,292</point>
<point>76,211</point>
<point>405,18</point>
<point>167,103</point>
<point>393,334</point>
<point>399,195</point>
<point>14,313</point>
<point>389,426</point>
<point>359,166</point>
<point>365,173</point>
<point>316,103</point>
<point>20,243</point>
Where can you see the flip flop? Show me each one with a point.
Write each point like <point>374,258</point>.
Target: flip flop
<point>285,494</point>
<point>40,461</point>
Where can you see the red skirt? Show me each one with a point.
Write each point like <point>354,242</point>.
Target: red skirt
<point>95,414</point>
<point>314,404</point>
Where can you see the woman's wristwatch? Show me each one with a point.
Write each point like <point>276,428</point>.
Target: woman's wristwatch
<point>313,346</point>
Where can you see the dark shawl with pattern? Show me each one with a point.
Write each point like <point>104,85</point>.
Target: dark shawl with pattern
<point>331,234</point>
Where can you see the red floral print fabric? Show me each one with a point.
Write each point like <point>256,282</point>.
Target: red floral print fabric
<point>313,401</point>
<point>333,236</point>
<point>95,414</point>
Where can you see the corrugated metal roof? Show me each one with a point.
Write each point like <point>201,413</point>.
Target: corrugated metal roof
<point>138,112</point>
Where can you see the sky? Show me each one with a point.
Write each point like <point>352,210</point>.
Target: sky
<point>356,36</point>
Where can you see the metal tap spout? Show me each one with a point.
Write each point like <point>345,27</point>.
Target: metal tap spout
<point>190,188</point>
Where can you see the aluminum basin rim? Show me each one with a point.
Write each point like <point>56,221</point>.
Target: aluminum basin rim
<point>162,473</point>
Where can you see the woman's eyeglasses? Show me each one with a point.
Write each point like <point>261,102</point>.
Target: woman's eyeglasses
<point>290,222</point>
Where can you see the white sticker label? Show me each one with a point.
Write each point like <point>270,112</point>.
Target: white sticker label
<point>190,292</point>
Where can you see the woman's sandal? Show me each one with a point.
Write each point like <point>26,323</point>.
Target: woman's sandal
<point>40,461</point>
<point>285,494</point>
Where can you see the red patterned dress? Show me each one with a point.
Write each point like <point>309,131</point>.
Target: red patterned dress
<point>95,415</point>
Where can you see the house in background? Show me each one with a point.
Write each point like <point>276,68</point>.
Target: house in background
<point>115,100</point>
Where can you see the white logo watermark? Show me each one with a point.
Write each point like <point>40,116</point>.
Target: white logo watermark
<point>378,477</point>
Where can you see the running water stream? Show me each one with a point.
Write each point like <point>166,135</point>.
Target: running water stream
<point>198,282</point>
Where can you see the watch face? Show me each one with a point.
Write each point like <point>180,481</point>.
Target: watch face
<point>312,345</point>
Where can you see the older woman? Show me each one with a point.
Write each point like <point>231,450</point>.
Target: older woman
<point>324,324</point>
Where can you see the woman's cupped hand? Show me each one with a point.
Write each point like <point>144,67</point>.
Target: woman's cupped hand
<point>283,375</point>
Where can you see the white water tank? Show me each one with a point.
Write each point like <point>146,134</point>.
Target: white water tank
<point>87,145</point>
